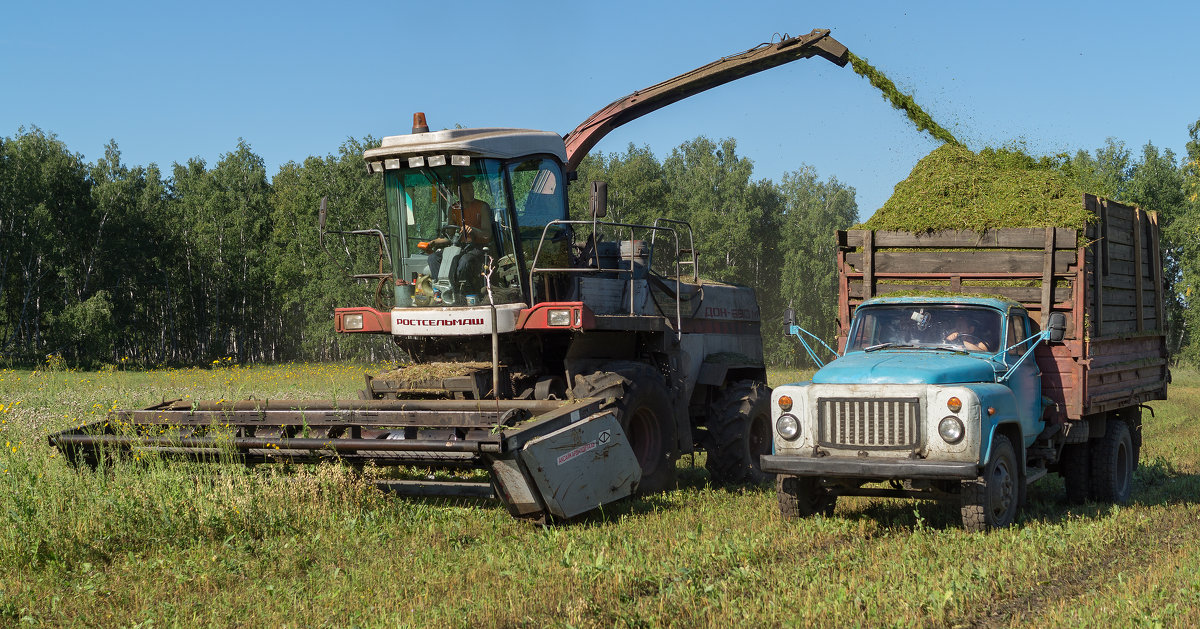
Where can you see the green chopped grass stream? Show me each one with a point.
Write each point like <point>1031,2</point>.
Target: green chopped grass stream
<point>165,543</point>
<point>900,100</point>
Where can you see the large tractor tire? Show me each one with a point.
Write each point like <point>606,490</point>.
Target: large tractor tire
<point>1113,459</point>
<point>803,497</point>
<point>641,402</point>
<point>739,433</point>
<point>1074,466</point>
<point>991,501</point>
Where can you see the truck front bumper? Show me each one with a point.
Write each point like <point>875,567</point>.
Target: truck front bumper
<point>885,469</point>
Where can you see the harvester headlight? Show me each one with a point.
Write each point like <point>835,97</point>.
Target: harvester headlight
<point>785,403</point>
<point>951,429</point>
<point>391,164</point>
<point>352,321</point>
<point>788,427</point>
<point>416,162</point>
<point>559,317</point>
<point>433,161</point>
<point>376,167</point>
<point>954,404</point>
<point>460,160</point>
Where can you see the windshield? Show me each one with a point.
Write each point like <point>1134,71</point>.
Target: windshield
<point>447,224</point>
<point>925,325</point>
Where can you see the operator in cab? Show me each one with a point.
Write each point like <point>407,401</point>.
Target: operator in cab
<point>473,220</point>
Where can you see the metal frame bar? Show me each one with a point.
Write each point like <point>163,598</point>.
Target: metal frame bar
<point>534,268</point>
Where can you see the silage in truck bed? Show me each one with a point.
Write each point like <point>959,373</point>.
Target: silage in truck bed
<point>954,188</point>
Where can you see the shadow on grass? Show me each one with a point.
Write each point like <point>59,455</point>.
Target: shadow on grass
<point>1155,483</point>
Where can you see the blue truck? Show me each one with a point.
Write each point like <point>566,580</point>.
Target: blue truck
<point>973,364</point>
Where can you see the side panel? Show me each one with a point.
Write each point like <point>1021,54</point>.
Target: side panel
<point>583,465</point>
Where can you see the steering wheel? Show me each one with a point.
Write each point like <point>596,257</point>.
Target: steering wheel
<point>964,338</point>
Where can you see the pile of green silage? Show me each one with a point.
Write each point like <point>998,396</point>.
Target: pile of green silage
<point>955,188</point>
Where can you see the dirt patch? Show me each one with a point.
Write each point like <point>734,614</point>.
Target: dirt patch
<point>1102,568</point>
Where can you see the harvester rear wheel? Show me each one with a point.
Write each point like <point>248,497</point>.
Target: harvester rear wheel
<point>636,393</point>
<point>739,432</point>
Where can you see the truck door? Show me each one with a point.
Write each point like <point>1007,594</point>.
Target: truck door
<point>1026,382</point>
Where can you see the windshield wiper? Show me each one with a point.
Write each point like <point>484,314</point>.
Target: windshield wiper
<point>911,346</point>
<point>888,346</point>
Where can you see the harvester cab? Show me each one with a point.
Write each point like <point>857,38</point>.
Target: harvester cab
<point>571,362</point>
<point>466,210</point>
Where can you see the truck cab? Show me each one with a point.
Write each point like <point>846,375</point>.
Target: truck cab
<point>939,395</point>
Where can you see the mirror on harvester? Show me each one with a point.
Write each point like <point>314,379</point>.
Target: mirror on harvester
<point>599,201</point>
<point>321,215</point>
<point>789,319</point>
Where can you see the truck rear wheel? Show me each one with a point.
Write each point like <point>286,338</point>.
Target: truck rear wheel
<point>1113,458</point>
<point>991,501</point>
<point>1074,466</point>
<point>637,395</point>
<point>739,433</point>
<point>803,497</point>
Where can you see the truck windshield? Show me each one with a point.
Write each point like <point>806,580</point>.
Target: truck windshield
<point>925,326</point>
<point>445,224</point>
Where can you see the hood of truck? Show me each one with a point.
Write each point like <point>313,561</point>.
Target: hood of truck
<point>906,367</point>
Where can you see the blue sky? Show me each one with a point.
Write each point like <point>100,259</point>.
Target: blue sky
<point>170,81</point>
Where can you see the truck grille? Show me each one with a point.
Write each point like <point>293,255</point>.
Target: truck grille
<point>867,423</point>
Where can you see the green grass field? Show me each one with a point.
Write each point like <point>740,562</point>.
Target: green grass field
<point>154,543</point>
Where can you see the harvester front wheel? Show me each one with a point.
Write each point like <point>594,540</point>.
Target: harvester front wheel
<point>640,400</point>
<point>739,433</point>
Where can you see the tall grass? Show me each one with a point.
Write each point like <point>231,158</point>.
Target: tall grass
<point>152,541</point>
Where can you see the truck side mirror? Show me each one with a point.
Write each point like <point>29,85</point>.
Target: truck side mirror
<point>599,200</point>
<point>1057,325</point>
<point>789,319</point>
<point>321,215</point>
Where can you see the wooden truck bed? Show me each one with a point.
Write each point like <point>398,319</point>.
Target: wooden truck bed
<point>1108,281</point>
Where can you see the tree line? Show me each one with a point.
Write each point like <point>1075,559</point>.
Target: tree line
<point>108,263</point>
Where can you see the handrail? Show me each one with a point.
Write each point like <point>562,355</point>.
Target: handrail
<point>534,268</point>
<point>691,245</point>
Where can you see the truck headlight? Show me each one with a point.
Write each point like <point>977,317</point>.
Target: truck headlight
<point>951,429</point>
<point>352,321</point>
<point>788,427</point>
<point>559,317</point>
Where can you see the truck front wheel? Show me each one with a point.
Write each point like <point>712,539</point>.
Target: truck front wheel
<point>802,497</point>
<point>1113,459</point>
<point>990,502</point>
